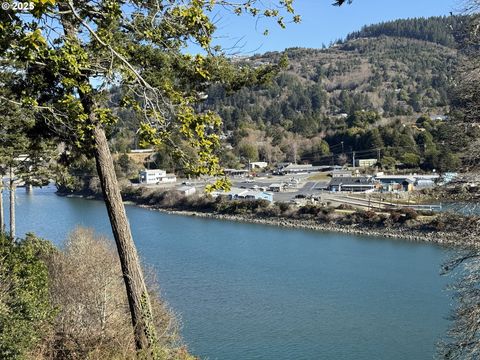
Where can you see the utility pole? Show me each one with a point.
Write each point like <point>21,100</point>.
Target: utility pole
<point>353,160</point>
<point>12,205</point>
<point>294,152</point>
<point>2,215</point>
<point>378,155</point>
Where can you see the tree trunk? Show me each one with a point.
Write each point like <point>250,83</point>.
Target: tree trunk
<point>2,215</point>
<point>140,308</point>
<point>12,207</point>
<point>138,299</point>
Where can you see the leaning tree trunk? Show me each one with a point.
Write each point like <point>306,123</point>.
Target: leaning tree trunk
<point>138,299</point>
<point>2,216</point>
<point>12,206</point>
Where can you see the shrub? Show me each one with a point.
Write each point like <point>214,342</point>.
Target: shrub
<point>403,214</point>
<point>309,210</point>
<point>284,207</point>
<point>93,319</point>
<point>25,308</point>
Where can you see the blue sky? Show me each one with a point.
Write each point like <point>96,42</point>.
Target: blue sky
<point>321,23</point>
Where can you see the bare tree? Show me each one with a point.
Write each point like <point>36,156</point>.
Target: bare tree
<point>463,340</point>
<point>93,319</point>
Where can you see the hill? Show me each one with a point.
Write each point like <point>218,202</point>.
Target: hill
<point>441,30</point>
<point>385,87</point>
<point>383,92</point>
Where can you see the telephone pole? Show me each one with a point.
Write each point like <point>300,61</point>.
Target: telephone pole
<point>2,216</point>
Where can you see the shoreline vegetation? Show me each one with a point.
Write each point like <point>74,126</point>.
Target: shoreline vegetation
<point>70,302</point>
<point>446,229</point>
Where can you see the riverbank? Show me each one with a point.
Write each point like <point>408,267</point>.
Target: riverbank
<point>402,233</point>
<point>445,229</point>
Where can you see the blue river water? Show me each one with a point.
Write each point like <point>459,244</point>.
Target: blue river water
<point>246,291</point>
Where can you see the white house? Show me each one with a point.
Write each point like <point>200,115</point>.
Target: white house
<point>155,176</point>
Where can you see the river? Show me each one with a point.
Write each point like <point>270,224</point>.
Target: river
<point>248,291</point>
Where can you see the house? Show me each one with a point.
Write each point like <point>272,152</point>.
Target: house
<point>258,165</point>
<point>396,182</point>
<point>364,163</point>
<point>155,176</point>
<point>187,190</point>
<point>353,184</point>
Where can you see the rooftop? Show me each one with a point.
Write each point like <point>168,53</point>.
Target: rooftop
<point>358,180</point>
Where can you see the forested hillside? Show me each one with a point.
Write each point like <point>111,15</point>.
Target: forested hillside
<point>383,91</point>
<point>383,88</point>
<point>441,30</point>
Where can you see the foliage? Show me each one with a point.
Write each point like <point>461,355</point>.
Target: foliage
<point>25,308</point>
<point>27,158</point>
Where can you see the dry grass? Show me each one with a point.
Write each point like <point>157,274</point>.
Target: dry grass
<point>319,177</point>
<point>93,319</point>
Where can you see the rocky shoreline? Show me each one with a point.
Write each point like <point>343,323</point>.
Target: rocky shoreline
<point>403,233</point>
<point>448,238</point>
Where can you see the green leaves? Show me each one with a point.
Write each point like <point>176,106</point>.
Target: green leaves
<point>25,309</point>
<point>73,51</point>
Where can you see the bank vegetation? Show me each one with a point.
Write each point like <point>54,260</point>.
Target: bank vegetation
<point>70,303</point>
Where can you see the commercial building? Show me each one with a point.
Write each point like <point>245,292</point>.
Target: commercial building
<point>396,182</point>
<point>364,163</point>
<point>341,173</point>
<point>155,176</point>
<point>351,184</point>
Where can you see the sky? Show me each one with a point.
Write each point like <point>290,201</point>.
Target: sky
<point>321,23</point>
